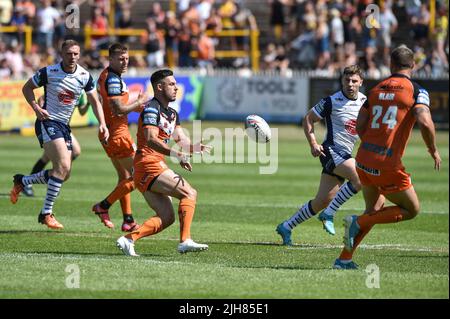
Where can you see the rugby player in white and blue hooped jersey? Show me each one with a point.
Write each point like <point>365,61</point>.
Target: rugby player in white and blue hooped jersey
<point>63,84</point>
<point>339,111</point>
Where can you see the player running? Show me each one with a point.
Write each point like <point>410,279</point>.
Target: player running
<point>339,112</point>
<point>157,124</point>
<point>120,147</point>
<point>64,83</point>
<point>384,125</point>
<point>83,106</point>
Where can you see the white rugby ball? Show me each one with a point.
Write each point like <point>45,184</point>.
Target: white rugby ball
<point>257,129</point>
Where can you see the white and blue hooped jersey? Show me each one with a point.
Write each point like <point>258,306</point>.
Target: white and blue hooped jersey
<point>62,90</point>
<point>340,113</point>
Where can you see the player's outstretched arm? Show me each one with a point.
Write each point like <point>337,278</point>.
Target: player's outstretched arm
<point>123,109</point>
<point>185,143</point>
<point>153,141</point>
<point>308,128</point>
<point>426,125</point>
<point>98,111</point>
<point>28,93</point>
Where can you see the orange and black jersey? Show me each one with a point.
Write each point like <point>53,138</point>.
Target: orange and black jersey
<point>110,85</point>
<point>390,107</point>
<point>166,119</point>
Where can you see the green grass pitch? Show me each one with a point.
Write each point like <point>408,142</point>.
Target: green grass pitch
<point>237,212</point>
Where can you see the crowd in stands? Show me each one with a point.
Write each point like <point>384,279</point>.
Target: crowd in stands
<point>322,35</point>
<point>328,35</point>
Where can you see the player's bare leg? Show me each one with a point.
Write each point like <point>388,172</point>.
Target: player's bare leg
<point>122,191</point>
<point>173,184</point>
<point>328,187</point>
<point>374,202</point>
<point>165,216</point>
<point>346,170</point>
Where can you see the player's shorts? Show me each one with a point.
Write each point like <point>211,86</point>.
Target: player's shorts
<point>387,181</point>
<point>50,130</point>
<point>334,156</point>
<point>120,146</point>
<point>146,172</point>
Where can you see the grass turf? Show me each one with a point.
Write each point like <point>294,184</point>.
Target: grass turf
<point>237,212</point>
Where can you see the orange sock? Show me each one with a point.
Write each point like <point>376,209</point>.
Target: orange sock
<point>123,188</point>
<point>347,255</point>
<point>186,210</point>
<point>150,227</point>
<point>125,204</point>
<point>387,215</point>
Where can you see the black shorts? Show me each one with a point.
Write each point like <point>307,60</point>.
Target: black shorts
<point>50,130</point>
<point>334,156</point>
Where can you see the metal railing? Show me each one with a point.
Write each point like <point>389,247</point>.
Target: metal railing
<point>27,30</point>
<point>253,53</point>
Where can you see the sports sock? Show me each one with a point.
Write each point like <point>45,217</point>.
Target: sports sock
<point>149,227</point>
<point>125,204</point>
<point>53,188</point>
<point>128,219</point>
<point>125,187</point>
<point>38,166</point>
<point>387,215</point>
<point>186,210</point>
<point>348,255</point>
<point>344,194</point>
<point>303,214</point>
<point>41,177</point>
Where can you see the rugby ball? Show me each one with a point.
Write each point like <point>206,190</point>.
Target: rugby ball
<point>257,129</point>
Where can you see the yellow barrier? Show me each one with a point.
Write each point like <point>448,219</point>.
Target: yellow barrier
<point>253,34</point>
<point>26,29</point>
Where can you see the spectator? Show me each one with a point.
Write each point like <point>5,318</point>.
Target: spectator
<point>214,22</point>
<point>124,23</point>
<point>5,70</point>
<point>337,38</point>
<point>28,8</point>
<point>47,18</point>
<point>277,18</point>
<point>6,11</point>
<point>440,35</point>
<point>192,17</point>
<point>185,45</point>
<point>171,30</point>
<point>154,45</point>
<point>206,51</point>
<point>226,11</point>
<point>157,14</point>
<point>420,24</point>
<point>281,60</point>
<point>269,57</point>
<point>19,20</point>
<point>388,25</point>
<point>99,23</point>
<point>15,61</point>
<point>323,42</point>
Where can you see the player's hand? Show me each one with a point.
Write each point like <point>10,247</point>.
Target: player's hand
<point>317,150</point>
<point>437,159</point>
<point>186,165</point>
<point>41,113</point>
<point>141,99</point>
<point>103,134</point>
<point>199,148</point>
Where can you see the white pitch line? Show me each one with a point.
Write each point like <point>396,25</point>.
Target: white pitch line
<point>258,205</point>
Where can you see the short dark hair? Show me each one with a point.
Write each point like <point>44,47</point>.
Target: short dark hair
<point>69,43</point>
<point>160,75</point>
<point>117,48</point>
<point>352,69</point>
<point>402,58</point>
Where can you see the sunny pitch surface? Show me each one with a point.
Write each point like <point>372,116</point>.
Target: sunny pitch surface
<point>237,213</point>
